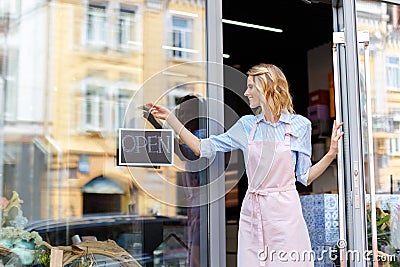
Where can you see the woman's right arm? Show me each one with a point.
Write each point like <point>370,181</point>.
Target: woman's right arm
<point>184,134</point>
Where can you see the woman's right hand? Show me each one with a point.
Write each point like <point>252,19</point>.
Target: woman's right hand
<point>159,111</point>
<point>336,135</point>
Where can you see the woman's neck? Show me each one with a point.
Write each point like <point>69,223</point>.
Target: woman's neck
<point>270,118</point>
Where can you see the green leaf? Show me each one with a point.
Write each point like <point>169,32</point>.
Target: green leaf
<point>383,220</point>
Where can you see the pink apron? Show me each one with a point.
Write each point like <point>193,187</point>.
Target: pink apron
<point>272,230</point>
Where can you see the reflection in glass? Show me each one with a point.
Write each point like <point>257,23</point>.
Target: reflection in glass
<point>96,34</point>
<point>72,73</point>
<point>384,32</point>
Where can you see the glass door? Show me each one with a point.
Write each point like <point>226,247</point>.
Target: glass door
<point>379,91</point>
<point>366,63</point>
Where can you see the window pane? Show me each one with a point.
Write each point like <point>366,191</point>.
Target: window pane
<point>96,28</point>
<point>180,23</point>
<point>126,29</point>
<point>393,72</point>
<point>385,89</point>
<point>181,37</point>
<point>73,80</point>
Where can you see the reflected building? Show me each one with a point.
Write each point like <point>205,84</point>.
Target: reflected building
<point>74,68</point>
<point>381,20</point>
<point>24,69</point>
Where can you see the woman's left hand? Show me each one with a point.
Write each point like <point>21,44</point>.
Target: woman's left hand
<point>336,135</point>
<point>158,111</point>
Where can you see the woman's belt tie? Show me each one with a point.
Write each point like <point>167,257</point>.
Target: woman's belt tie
<point>255,194</point>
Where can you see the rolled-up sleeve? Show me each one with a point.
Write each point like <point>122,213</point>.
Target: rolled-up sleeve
<point>234,138</point>
<point>302,148</point>
<point>207,149</point>
<point>303,165</point>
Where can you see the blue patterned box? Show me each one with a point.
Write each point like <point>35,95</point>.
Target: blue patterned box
<point>321,215</point>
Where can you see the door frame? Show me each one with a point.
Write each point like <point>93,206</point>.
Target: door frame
<point>353,220</point>
<point>216,209</point>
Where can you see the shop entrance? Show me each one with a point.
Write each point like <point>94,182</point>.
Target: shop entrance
<point>301,44</point>
<point>363,69</point>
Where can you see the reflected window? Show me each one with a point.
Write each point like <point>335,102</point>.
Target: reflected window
<point>396,126</point>
<point>395,147</point>
<point>392,73</point>
<point>93,113</point>
<point>181,36</point>
<point>11,83</point>
<point>126,28</point>
<point>124,96</point>
<point>96,25</point>
<point>11,8</point>
<point>394,116</point>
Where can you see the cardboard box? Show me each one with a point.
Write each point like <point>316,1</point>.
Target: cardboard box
<point>332,111</point>
<point>320,97</point>
<point>318,112</point>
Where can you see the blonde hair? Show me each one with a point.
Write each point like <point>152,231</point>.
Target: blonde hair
<point>273,88</point>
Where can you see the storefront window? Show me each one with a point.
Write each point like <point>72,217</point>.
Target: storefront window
<point>74,73</point>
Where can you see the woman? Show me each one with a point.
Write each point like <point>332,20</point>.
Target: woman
<point>277,146</point>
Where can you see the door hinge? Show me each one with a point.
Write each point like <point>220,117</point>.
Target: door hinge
<point>339,38</point>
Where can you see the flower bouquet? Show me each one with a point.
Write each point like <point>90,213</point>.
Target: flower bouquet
<point>17,244</point>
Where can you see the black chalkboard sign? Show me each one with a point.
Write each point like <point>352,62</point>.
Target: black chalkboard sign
<point>145,147</point>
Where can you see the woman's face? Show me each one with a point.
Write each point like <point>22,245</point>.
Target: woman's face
<point>252,93</point>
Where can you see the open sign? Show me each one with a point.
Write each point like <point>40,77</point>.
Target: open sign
<point>145,147</point>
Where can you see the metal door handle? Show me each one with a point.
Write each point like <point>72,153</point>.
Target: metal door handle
<point>371,161</point>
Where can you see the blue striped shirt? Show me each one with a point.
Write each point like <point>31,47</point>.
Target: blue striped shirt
<point>237,137</point>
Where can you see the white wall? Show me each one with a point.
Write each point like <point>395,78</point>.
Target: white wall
<point>319,61</point>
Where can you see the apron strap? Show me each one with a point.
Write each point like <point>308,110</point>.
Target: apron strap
<point>287,134</point>
<point>256,207</point>
<point>253,131</point>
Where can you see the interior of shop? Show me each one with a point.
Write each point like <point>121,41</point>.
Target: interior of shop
<point>302,50</point>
